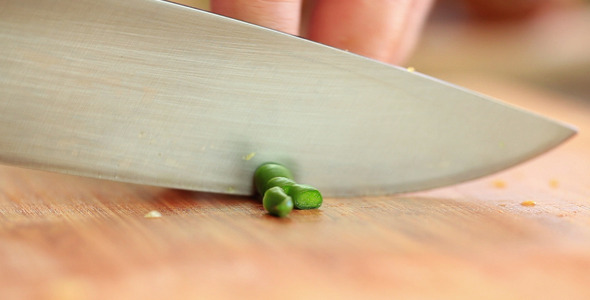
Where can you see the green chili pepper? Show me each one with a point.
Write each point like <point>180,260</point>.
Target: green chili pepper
<point>305,196</point>
<point>277,202</point>
<point>282,182</point>
<point>268,171</point>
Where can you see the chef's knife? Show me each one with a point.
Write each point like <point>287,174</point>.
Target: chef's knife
<point>156,93</point>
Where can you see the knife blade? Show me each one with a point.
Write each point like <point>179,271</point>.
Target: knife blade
<point>156,93</point>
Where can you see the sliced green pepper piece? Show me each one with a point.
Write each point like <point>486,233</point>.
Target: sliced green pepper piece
<point>305,196</point>
<point>268,171</point>
<point>277,202</point>
<point>282,182</point>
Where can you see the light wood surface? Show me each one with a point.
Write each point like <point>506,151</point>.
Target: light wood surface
<point>65,237</point>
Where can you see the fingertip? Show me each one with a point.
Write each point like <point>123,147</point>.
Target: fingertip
<point>383,30</point>
<point>282,15</point>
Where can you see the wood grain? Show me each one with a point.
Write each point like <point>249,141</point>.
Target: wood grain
<point>65,237</point>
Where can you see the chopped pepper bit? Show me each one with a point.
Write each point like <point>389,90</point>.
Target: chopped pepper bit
<point>154,214</point>
<point>268,171</point>
<point>500,184</point>
<point>282,182</point>
<point>529,203</point>
<point>554,183</point>
<point>249,156</point>
<point>305,196</point>
<point>277,202</point>
<point>281,193</point>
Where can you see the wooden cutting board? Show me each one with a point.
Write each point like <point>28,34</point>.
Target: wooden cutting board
<point>65,237</point>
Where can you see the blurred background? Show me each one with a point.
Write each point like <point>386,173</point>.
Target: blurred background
<point>544,43</point>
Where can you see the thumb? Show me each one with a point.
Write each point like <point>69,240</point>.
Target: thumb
<point>386,30</point>
<point>282,15</point>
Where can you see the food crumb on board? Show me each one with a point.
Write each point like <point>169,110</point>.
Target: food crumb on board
<point>153,215</point>
<point>528,203</point>
<point>249,156</point>
<point>499,184</point>
<point>554,183</point>
<point>411,69</point>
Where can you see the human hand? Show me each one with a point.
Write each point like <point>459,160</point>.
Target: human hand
<point>498,10</point>
<point>385,30</point>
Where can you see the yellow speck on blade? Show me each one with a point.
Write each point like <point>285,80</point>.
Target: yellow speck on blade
<point>249,156</point>
<point>154,214</point>
<point>554,183</point>
<point>411,69</point>
<point>499,184</point>
<point>528,203</point>
<point>68,288</point>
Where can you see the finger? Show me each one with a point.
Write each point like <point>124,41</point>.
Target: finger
<point>282,15</point>
<point>386,30</point>
<point>515,9</point>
